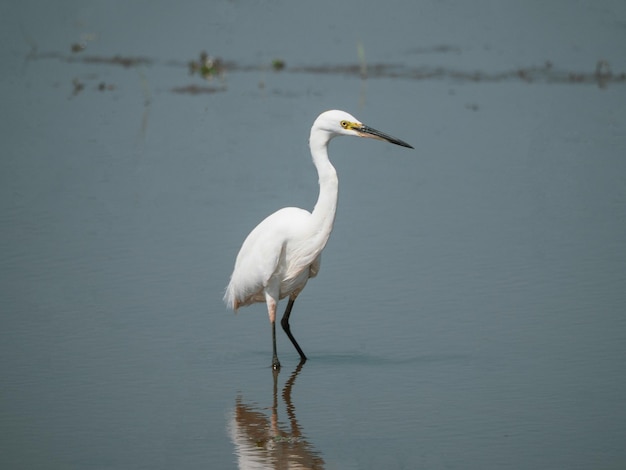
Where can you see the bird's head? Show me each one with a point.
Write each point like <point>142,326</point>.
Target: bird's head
<point>335,122</point>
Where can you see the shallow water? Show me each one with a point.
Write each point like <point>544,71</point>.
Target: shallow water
<point>469,312</point>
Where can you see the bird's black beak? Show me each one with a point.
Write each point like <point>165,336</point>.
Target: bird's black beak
<point>365,131</point>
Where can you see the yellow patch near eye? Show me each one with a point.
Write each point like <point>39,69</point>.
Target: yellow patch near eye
<point>349,125</point>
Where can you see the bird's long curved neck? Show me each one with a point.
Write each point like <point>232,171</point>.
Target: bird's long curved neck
<point>326,206</point>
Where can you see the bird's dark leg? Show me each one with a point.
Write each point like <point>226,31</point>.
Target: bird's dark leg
<point>275,362</point>
<point>285,324</point>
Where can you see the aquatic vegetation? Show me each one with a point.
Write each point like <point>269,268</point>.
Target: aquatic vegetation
<point>207,67</point>
<point>278,64</point>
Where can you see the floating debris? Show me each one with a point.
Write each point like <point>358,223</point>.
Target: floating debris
<point>81,44</point>
<point>603,73</point>
<point>78,47</point>
<point>125,62</point>
<point>208,67</point>
<point>77,86</point>
<point>440,49</point>
<point>104,87</point>
<point>546,73</point>
<point>197,90</point>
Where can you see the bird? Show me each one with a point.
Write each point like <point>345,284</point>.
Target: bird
<point>283,252</point>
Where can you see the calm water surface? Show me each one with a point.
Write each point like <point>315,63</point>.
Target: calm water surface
<point>469,312</point>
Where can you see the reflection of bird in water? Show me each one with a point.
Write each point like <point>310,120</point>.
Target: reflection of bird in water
<point>262,442</point>
<point>280,255</point>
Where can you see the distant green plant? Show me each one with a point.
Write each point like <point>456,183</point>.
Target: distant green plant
<point>278,64</point>
<point>207,67</point>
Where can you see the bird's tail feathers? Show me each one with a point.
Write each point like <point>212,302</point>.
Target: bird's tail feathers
<point>230,299</point>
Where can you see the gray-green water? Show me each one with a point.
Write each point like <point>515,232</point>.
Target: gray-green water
<point>469,312</point>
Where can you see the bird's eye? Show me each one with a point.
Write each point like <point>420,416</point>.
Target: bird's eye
<point>344,124</point>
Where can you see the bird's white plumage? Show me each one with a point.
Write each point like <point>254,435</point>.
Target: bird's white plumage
<point>280,255</point>
<point>283,251</point>
<point>279,247</point>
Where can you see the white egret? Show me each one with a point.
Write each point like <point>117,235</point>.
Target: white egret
<point>280,255</point>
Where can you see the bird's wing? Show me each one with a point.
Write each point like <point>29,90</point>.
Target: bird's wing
<point>315,266</point>
<point>262,256</point>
